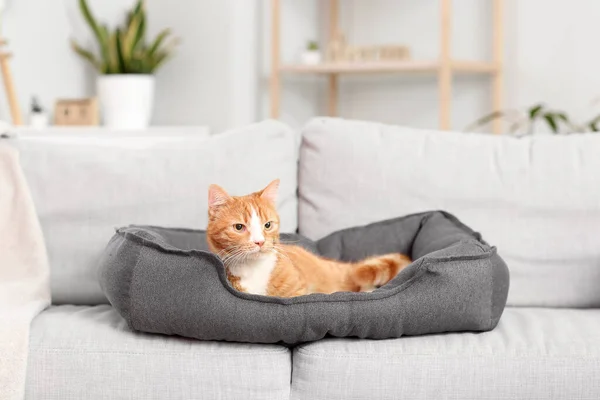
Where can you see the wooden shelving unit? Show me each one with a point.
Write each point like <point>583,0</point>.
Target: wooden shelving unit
<point>472,67</point>
<point>445,67</point>
<point>9,86</point>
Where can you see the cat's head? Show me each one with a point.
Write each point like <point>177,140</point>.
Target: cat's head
<point>244,227</point>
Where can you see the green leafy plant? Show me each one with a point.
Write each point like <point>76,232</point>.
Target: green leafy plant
<point>524,122</point>
<point>36,108</point>
<point>312,46</point>
<point>125,50</point>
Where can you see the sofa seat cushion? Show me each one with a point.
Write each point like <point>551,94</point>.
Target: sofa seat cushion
<point>533,353</point>
<point>79,352</point>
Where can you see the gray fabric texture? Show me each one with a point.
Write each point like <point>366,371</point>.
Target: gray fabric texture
<point>534,353</point>
<point>164,281</point>
<point>82,352</point>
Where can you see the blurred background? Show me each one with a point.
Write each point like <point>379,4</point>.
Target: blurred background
<point>219,73</point>
<point>122,111</point>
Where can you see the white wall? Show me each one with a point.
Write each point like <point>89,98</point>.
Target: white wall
<point>219,76</point>
<point>210,81</point>
<point>550,57</point>
<point>412,99</point>
<point>43,63</point>
<point>301,94</point>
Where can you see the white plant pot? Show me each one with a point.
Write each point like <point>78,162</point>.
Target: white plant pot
<point>39,120</point>
<point>311,57</point>
<point>126,100</point>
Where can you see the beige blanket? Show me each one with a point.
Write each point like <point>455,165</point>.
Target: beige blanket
<point>24,274</point>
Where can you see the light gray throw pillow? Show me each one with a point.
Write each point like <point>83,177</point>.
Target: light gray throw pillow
<point>83,188</point>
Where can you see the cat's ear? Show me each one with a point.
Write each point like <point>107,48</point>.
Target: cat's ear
<point>270,192</point>
<point>216,196</point>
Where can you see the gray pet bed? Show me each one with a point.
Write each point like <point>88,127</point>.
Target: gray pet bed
<point>165,281</point>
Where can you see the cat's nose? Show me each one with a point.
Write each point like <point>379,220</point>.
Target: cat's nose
<point>259,243</point>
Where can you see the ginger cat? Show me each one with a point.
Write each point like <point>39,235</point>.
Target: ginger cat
<point>244,232</point>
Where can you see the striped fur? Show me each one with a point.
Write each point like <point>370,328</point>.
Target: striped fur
<point>234,233</point>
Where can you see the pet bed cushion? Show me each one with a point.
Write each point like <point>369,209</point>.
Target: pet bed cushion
<point>164,280</point>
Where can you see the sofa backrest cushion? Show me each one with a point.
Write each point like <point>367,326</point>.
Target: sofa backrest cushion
<point>84,188</point>
<point>536,198</point>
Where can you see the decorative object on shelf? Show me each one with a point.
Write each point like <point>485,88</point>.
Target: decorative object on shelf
<point>312,55</point>
<point>76,112</point>
<point>336,51</point>
<point>38,118</point>
<point>126,65</point>
<point>523,122</point>
<point>393,53</point>
<point>9,86</point>
<point>444,66</point>
<point>340,51</point>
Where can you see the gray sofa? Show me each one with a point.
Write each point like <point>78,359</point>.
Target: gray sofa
<point>537,199</point>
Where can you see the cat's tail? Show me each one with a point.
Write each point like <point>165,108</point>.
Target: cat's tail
<point>374,272</point>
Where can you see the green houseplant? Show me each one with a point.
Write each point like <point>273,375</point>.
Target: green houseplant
<point>126,62</point>
<point>525,122</point>
<point>311,55</point>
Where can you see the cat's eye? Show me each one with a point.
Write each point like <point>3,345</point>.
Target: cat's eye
<point>268,225</point>
<point>239,227</point>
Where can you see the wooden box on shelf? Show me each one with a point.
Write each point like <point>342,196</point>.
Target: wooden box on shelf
<point>341,51</point>
<point>76,112</point>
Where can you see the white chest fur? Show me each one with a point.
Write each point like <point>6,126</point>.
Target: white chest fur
<point>254,274</point>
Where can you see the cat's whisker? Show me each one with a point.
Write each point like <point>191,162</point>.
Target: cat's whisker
<point>238,255</point>
<point>281,252</point>
<point>234,249</point>
<point>232,258</point>
<point>225,250</point>
<point>228,255</point>
<point>238,259</point>
<point>223,255</point>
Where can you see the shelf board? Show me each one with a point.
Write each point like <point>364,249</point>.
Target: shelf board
<point>474,67</point>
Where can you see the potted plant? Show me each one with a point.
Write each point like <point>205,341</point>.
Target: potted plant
<point>38,118</point>
<point>312,55</point>
<point>524,122</point>
<point>126,63</point>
